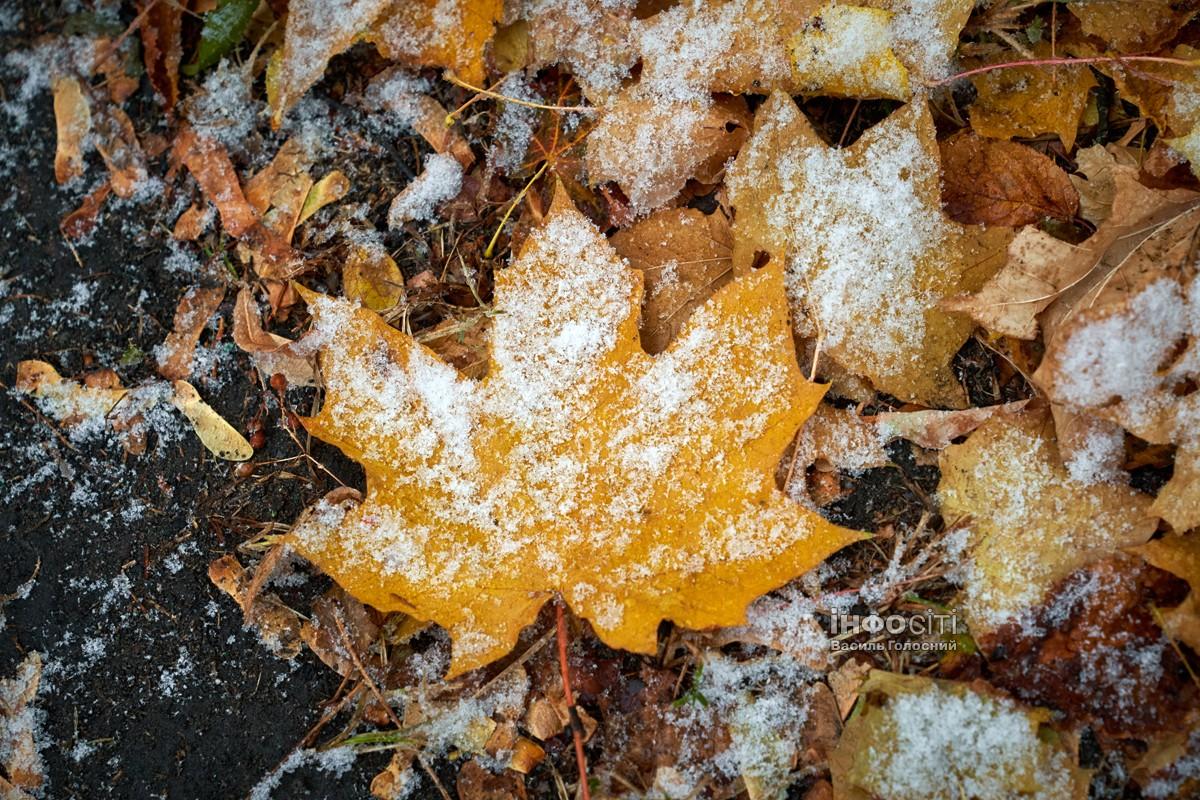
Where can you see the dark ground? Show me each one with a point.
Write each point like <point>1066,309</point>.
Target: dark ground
<point>152,688</point>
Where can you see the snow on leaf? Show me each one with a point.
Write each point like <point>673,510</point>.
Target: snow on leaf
<point>916,737</point>
<point>20,732</point>
<point>316,31</point>
<point>1029,522</point>
<point>639,488</point>
<point>868,253</point>
<point>847,50</point>
<point>1132,27</point>
<point>442,33</point>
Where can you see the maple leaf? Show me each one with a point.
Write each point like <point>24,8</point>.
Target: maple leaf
<point>1029,522</point>
<point>1130,27</point>
<point>639,488</point>
<point>868,252</point>
<point>439,33</point>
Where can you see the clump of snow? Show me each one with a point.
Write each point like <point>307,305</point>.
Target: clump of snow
<point>335,760</point>
<point>516,124</point>
<point>1099,457</point>
<point>438,182</point>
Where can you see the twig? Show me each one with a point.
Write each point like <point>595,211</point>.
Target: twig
<point>1066,62</point>
<point>450,76</point>
<point>572,711</point>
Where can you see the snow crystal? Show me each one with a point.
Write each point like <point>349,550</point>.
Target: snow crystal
<point>170,678</point>
<point>516,124</point>
<point>438,182</point>
<point>224,109</point>
<point>1098,459</point>
<point>336,760</point>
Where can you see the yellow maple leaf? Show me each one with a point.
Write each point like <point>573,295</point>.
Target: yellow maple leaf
<point>438,33</point>
<point>1029,522</point>
<point>869,253</point>
<point>638,487</point>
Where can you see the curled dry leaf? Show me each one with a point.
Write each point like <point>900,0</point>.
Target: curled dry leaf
<point>277,625</point>
<point>82,221</point>
<point>1029,101</point>
<point>472,533</point>
<point>867,287</point>
<point>993,182</point>
<point>161,33</point>
<point>935,430</point>
<point>330,189</point>
<point>439,33</point>
<point>221,438</point>
<point>118,145</point>
<point>270,352</point>
<point>192,222</point>
<point>195,308</point>
<point>651,145</point>
<point>1028,522</point>
<point>915,737</point>
<point>315,32</point>
<point>24,771</point>
<point>1165,92</point>
<point>684,256</point>
<point>1180,555</point>
<point>73,123</point>
<point>334,612</point>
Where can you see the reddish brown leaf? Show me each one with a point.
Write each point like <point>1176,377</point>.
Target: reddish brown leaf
<point>161,43</point>
<point>118,145</point>
<point>82,221</point>
<point>191,315</point>
<point>994,182</point>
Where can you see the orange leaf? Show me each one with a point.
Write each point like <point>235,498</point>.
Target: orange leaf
<point>439,33</point>
<point>639,488</point>
<point>73,122</point>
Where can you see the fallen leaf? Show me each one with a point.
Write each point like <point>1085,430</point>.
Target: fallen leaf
<point>1029,523</point>
<point>192,222</point>
<point>1180,555</point>
<point>1133,28</point>
<point>330,189</point>
<point>838,438</point>
<point>847,50</point>
<point>223,28</point>
<point>441,33</point>
<point>624,442</point>
<point>24,770</point>
<point>650,145</point>
<point>315,32</point>
<point>935,430</point>
<point>1094,651</point>
<point>371,276</point>
<point>591,39</point>
<point>73,122</point>
<point>1029,101</point>
<point>993,182</point>
<point>395,91</point>
<point>277,625</point>
<point>324,637</point>
<point>476,782</point>
<point>439,181</point>
<point>161,32</point>
<point>195,308</point>
<point>221,438</point>
<point>66,401</point>
<point>939,740</point>
<point>118,145</point>
<point>82,221</point>
<point>1178,502</point>
<point>272,354</point>
<point>684,256</point>
<point>868,285</point>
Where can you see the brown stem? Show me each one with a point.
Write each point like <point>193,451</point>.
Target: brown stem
<point>576,725</point>
<point>1060,62</point>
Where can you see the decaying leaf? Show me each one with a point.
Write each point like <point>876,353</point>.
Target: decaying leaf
<point>337,618</point>
<point>66,401</point>
<point>1095,652</point>
<point>396,92</point>
<point>73,122</point>
<point>1029,523</point>
<point>1179,555</point>
<point>867,251</point>
<point>270,352</point>
<point>1028,101</point>
<point>118,145</point>
<point>442,33</point>
<point>277,625</point>
<point>684,256</point>
<point>916,738</point>
<point>1178,502</point>
<point>197,305</point>
<point>838,438</point>
<point>650,145</point>
<point>1166,93</point>
<point>24,772</point>
<point>315,32</point>
<point>221,438</point>
<point>192,222</point>
<point>82,221</point>
<point>161,33</point>
<point>578,465</point>
<point>935,430</point>
<point>993,182</point>
<point>1139,27</point>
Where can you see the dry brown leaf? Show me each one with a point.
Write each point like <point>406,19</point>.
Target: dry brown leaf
<point>838,438</point>
<point>1133,27</point>
<point>371,276</point>
<point>684,256</point>
<point>391,91</point>
<point>66,401</point>
<point>1178,502</point>
<point>161,32</point>
<point>24,771</point>
<point>118,145</point>
<point>438,33</point>
<point>329,189</point>
<point>613,524</point>
<point>591,39</point>
<point>935,430</point>
<point>277,625</point>
<point>82,221</point>
<point>867,250</point>
<point>1029,101</point>
<point>1029,523</point>
<point>993,182</point>
<point>315,32</point>
<point>73,123</point>
<point>650,145</point>
<point>272,354</point>
<point>197,305</point>
<point>221,438</point>
<point>1180,555</point>
<point>334,612</point>
<point>192,222</point>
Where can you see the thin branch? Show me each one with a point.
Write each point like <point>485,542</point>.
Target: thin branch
<point>1066,62</point>
<point>576,724</point>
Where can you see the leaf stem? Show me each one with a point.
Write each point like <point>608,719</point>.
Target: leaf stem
<point>487,253</point>
<point>576,724</point>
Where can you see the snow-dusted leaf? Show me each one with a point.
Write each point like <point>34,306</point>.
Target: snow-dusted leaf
<point>192,313</point>
<point>270,352</point>
<point>442,33</point>
<point>578,465</point>
<point>1029,522</point>
<point>867,250</point>
<point>915,738</point>
<point>1139,27</point>
<point>20,732</point>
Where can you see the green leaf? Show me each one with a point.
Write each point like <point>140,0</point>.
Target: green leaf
<point>223,28</point>
<point>1034,30</point>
